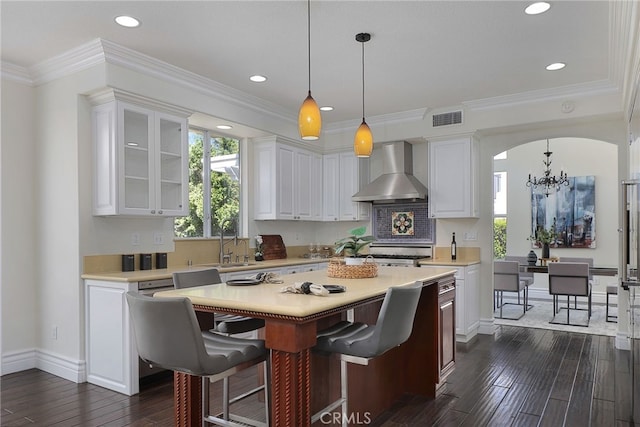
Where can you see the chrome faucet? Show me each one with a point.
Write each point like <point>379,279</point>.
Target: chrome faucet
<point>225,258</point>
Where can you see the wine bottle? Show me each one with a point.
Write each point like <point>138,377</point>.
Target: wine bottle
<point>453,247</point>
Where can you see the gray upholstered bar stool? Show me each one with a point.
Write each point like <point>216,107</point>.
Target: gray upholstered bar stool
<point>228,324</point>
<point>168,335</point>
<point>358,342</point>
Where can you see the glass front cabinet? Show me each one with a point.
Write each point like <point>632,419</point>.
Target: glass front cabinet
<point>140,161</point>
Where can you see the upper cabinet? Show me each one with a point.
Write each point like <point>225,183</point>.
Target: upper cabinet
<point>140,161</point>
<point>343,176</point>
<point>453,178</point>
<point>287,182</point>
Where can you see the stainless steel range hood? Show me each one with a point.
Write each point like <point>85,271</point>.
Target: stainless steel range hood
<point>397,181</point>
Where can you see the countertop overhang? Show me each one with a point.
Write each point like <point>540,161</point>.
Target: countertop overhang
<point>267,298</point>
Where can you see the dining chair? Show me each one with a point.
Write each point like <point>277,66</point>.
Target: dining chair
<point>570,279</point>
<point>228,324</point>
<point>167,335</point>
<point>506,278</point>
<point>525,276</point>
<point>359,343</point>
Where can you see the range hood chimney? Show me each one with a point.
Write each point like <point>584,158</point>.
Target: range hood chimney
<point>397,181</point>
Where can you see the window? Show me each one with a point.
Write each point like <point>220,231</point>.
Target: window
<point>499,207</point>
<point>214,192</point>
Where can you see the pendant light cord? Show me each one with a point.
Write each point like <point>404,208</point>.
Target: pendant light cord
<point>309,40</point>
<point>362,81</point>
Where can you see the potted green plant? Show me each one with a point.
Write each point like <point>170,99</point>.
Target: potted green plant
<point>545,237</point>
<point>353,244</point>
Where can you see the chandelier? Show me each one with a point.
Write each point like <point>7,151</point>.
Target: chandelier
<point>548,182</point>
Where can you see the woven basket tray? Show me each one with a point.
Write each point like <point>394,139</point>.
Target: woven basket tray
<point>338,269</point>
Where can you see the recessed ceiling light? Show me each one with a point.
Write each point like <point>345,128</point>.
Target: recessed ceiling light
<point>258,78</point>
<point>326,108</point>
<point>127,21</point>
<point>537,8</point>
<point>224,127</point>
<point>556,66</point>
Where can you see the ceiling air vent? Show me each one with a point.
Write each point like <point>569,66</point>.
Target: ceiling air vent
<point>452,118</point>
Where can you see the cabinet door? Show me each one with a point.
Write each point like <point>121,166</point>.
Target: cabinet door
<point>446,333</point>
<point>348,186</point>
<point>452,180</point>
<point>265,186</point>
<point>303,185</point>
<point>285,182</point>
<point>331,187</point>
<point>472,308</point>
<point>171,163</point>
<point>135,142</point>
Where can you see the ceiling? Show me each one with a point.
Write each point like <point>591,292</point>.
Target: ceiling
<point>422,55</point>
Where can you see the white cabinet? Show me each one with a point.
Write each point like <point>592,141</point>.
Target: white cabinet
<point>467,304</point>
<point>453,178</point>
<point>112,355</point>
<point>287,183</point>
<point>140,161</point>
<point>343,176</point>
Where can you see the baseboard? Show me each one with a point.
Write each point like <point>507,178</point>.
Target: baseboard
<point>487,327</point>
<point>55,364</point>
<point>61,366</point>
<point>622,342</point>
<point>19,361</point>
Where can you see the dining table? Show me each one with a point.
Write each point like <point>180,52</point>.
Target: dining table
<point>594,271</point>
<point>303,381</point>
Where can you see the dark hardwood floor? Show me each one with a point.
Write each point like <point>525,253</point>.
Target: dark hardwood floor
<point>519,377</point>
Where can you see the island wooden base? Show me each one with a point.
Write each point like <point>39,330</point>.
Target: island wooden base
<point>303,382</point>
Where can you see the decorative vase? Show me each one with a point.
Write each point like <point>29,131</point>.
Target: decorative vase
<point>532,258</point>
<point>545,250</point>
<point>259,257</point>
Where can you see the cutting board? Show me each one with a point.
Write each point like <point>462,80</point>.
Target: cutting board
<point>273,247</point>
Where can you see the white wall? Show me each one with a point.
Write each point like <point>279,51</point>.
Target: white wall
<point>18,255</point>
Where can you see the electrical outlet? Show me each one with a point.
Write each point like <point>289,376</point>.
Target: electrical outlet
<point>158,239</point>
<point>54,332</point>
<point>470,235</point>
<point>135,239</point>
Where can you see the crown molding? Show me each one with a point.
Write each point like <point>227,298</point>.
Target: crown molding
<point>133,60</point>
<point>69,62</point>
<point>580,90</point>
<point>16,73</point>
<point>384,119</point>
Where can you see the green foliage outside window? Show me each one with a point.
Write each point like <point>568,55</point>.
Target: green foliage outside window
<point>225,190</point>
<point>499,238</point>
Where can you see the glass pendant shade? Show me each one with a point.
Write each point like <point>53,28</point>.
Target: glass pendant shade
<point>363,141</point>
<point>309,119</point>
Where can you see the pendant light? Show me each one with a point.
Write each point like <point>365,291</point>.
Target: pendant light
<point>309,119</point>
<point>363,141</point>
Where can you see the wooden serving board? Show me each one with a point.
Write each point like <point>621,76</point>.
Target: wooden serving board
<point>273,247</point>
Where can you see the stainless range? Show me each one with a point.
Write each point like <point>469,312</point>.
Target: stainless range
<point>399,256</point>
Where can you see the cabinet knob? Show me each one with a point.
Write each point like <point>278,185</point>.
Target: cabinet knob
<point>160,212</point>
<point>153,211</point>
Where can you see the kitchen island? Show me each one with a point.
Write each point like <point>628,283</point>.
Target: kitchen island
<point>304,382</point>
